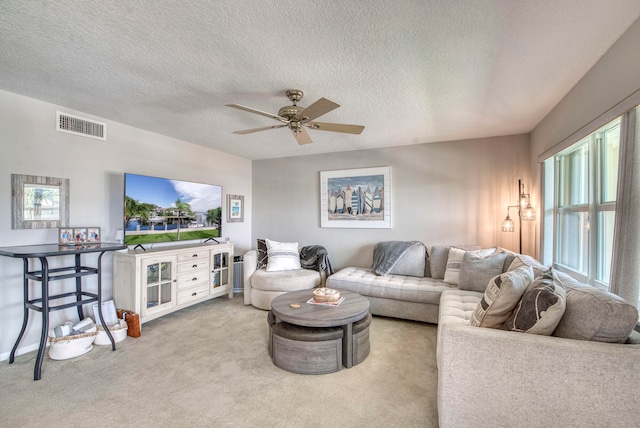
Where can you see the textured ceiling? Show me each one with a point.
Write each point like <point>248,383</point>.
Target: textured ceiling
<point>410,71</point>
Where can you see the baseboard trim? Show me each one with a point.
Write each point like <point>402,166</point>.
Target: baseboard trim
<point>21,350</point>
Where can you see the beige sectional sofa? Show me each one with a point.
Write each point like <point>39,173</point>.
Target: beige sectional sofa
<point>491,377</point>
<point>496,378</point>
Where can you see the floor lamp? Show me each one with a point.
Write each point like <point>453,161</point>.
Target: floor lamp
<point>525,212</point>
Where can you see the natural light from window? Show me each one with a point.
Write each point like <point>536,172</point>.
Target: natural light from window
<point>585,188</point>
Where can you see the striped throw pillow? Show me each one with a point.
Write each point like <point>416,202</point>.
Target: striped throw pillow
<point>282,256</point>
<point>500,298</point>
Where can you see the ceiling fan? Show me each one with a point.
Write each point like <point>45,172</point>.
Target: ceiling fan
<point>296,118</point>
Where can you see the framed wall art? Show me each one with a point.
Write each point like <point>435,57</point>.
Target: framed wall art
<point>356,198</point>
<point>39,202</point>
<point>235,208</point>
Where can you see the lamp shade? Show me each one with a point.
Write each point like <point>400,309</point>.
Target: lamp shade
<point>507,225</point>
<point>119,235</point>
<point>528,214</point>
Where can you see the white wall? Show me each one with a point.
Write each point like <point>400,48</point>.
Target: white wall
<point>442,193</point>
<point>29,144</point>
<point>612,79</point>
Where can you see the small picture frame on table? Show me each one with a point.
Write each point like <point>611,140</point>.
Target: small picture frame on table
<point>65,236</point>
<point>78,235</point>
<point>93,235</point>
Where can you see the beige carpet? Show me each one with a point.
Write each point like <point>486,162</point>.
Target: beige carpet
<point>208,366</point>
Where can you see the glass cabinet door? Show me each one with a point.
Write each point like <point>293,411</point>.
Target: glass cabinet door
<point>159,281</point>
<point>220,272</point>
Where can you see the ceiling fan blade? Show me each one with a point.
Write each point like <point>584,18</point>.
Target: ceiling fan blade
<point>317,109</point>
<point>252,110</point>
<point>336,127</point>
<point>249,131</point>
<point>302,136</point>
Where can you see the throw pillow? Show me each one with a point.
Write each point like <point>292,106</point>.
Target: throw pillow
<point>508,260</point>
<point>476,271</point>
<point>454,262</point>
<point>541,307</point>
<point>438,256</point>
<point>263,258</point>
<point>521,259</point>
<point>500,298</point>
<point>594,314</point>
<point>282,256</point>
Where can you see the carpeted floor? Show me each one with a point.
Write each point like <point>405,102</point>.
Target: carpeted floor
<point>208,366</point>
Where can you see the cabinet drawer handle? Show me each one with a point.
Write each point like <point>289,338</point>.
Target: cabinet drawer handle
<point>194,266</point>
<point>194,294</point>
<point>195,255</point>
<point>194,278</point>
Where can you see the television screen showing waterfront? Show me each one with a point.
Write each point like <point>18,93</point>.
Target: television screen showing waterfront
<point>163,210</point>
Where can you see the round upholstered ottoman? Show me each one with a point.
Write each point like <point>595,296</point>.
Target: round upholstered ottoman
<point>265,286</point>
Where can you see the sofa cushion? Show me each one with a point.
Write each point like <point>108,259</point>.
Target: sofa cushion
<point>501,296</point>
<point>412,262</point>
<point>521,259</point>
<point>397,287</point>
<point>454,262</point>
<point>476,271</point>
<point>263,258</point>
<point>541,307</point>
<point>438,256</point>
<point>282,256</point>
<point>399,258</point>
<point>285,281</point>
<point>594,314</point>
<point>438,261</point>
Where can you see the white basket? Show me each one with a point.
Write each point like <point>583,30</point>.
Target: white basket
<point>63,348</point>
<point>118,331</point>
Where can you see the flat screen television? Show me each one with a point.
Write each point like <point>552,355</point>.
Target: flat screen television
<point>165,210</point>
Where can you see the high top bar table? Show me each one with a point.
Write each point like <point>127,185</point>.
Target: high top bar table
<point>44,275</point>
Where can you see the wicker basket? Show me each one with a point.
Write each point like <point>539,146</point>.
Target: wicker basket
<point>118,332</point>
<point>63,348</point>
<point>326,295</point>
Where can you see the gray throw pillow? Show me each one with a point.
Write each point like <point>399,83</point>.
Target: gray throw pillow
<point>594,314</point>
<point>454,262</point>
<point>476,271</point>
<point>541,307</point>
<point>438,261</point>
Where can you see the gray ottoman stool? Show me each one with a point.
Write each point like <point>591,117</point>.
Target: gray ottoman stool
<point>360,339</point>
<point>306,350</point>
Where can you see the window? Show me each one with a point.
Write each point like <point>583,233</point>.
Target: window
<point>585,185</point>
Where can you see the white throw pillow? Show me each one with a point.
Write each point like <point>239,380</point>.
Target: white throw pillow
<point>282,256</point>
<point>452,273</point>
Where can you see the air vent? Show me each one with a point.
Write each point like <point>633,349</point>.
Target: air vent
<point>81,126</point>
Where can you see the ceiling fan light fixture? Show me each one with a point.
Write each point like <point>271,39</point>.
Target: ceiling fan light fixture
<point>296,118</point>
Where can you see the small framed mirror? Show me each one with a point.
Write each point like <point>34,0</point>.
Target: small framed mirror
<point>39,202</point>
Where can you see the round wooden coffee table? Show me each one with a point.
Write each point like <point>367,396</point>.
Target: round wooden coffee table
<point>353,308</point>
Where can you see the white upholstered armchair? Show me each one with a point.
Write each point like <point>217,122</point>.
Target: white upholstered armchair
<point>261,287</point>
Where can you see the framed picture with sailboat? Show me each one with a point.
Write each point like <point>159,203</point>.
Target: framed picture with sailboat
<point>356,198</point>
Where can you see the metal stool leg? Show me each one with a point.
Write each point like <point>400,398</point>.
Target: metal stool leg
<point>25,318</point>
